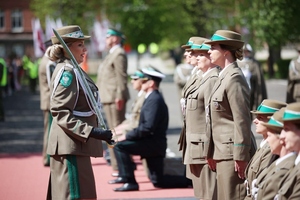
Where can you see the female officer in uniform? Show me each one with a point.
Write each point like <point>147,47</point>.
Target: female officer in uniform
<point>229,116</point>
<point>289,185</point>
<point>74,135</point>
<point>204,180</point>
<point>190,84</point>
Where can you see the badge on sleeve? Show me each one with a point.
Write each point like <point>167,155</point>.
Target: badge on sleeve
<point>66,79</point>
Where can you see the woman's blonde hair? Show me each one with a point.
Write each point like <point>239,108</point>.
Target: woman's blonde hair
<point>56,52</point>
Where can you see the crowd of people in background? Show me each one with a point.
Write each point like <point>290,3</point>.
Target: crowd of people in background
<point>16,71</point>
<point>21,71</point>
<point>221,88</point>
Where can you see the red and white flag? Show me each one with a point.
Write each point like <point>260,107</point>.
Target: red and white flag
<point>38,38</point>
<point>59,23</point>
<point>99,35</point>
<point>50,25</point>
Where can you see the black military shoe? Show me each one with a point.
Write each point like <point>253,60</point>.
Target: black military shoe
<point>127,187</point>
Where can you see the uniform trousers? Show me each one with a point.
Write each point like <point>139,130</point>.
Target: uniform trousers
<point>47,125</point>
<point>71,177</point>
<point>155,164</point>
<point>114,117</point>
<point>229,185</point>
<point>204,181</point>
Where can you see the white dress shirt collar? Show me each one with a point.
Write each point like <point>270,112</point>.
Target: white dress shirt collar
<point>297,159</point>
<point>279,160</point>
<point>262,143</point>
<point>114,47</point>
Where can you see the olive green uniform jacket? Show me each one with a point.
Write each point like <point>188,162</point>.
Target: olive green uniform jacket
<point>256,165</point>
<point>289,186</point>
<point>73,119</point>
<point>230,137</point>
<point>268,180</point>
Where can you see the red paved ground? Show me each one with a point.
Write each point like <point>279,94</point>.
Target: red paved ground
<point>24,177</point>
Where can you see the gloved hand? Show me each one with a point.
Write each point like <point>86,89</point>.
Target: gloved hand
<point>254,189</point>
<point>183,105</point>
<point>101,134</point>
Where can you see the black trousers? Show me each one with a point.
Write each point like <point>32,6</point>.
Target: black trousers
<point>125,148</point>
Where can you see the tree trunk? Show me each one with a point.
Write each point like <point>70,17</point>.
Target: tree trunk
<point>274,56</point>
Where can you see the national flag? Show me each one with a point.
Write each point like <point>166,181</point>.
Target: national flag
<point>99,35</point>
<point>38,38</point>
<point>50,25</point>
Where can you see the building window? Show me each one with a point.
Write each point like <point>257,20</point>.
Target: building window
<point>2,19</point>
<point>18,49</point>
<point>16,21</point>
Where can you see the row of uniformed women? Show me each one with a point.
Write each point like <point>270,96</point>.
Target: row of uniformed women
<point>217,119</point>
<point>221,111</point>
<point>263,155</point>
<point>196,93</point>
<point>279,178</point>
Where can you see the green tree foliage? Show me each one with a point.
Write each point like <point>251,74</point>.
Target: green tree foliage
<point>70,11</point>
<point>146,21</point>
<point>198,16</point>
<point>171,22</point>
<point>222,14</point>
<point>272,23</point>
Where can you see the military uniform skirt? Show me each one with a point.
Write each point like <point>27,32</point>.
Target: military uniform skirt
<point>71,177</point>
<point>204,181</point>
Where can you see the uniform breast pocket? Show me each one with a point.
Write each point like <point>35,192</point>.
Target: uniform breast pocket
<point>197,146</point>
<point>227,144</point>
<point>217,103</point>
<point>192,102</point>
<point>254,167</point>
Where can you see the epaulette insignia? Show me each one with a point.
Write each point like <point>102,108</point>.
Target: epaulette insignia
<point>66,79</point>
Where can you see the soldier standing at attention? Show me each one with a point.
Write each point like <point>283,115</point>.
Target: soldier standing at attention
<point>46,69</point>
<point>74,134</point>
<point>254,76</point>
<point>204,180</point>
<point>190,84</point>
<point>112,83</point>
<point>183,71</point>
<point>293,88</point>
<point>228,115</point>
